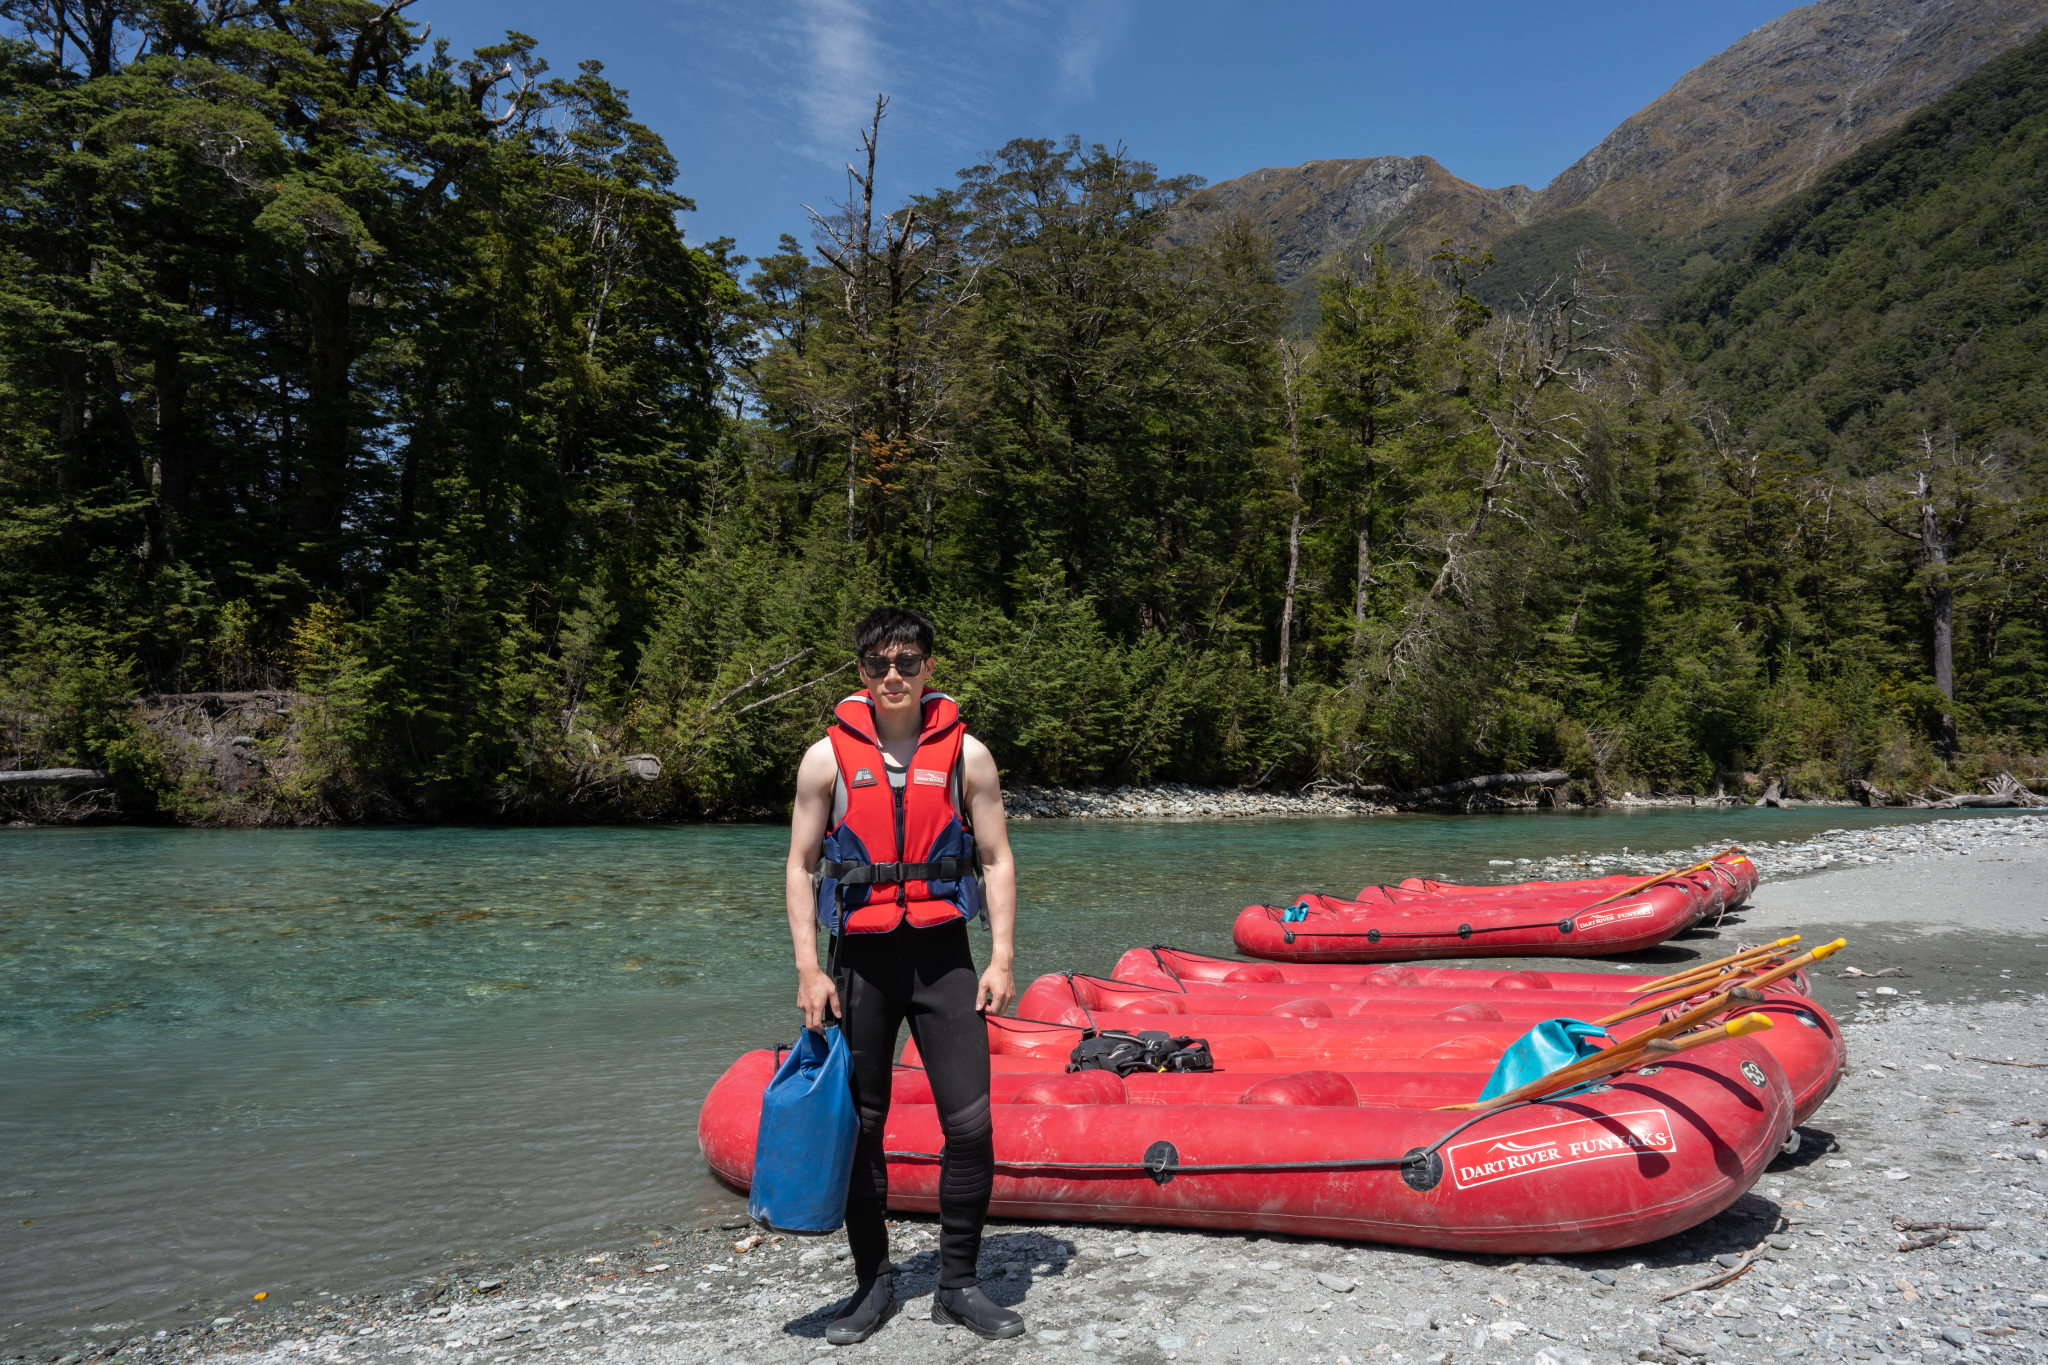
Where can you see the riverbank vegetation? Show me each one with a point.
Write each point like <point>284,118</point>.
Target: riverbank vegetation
<point>342,368</point>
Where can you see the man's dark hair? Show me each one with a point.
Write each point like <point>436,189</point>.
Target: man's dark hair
<point>893,626</point>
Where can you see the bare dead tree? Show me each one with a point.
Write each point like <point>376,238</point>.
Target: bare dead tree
<point>1949,489</point>
<point>1569,342</point>
<point>893,383</point>
<point>1292,354</point>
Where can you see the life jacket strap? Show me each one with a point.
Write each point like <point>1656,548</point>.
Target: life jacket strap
<point>870,874</point>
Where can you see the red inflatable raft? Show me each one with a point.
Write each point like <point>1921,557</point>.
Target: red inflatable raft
<point>1427,919</point>
<point>1459,1029</point>
<point>1167,965</point>
<point>1352,1149</point>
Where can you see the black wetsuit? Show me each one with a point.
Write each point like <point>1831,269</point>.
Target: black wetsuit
<point>926,976</point>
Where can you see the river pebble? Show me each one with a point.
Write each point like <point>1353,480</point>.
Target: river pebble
<point>1173,800</point>
<point>1942,1118</point>
<point>1924,1129</point>
<point>1952,838</point>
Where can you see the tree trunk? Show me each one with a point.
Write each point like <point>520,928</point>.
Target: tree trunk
<point>1972,801</point>
<point>1293,576</point>
<point>1944,603</point>
<point>170,461</point>
<point>327,436</point>
<point>53,777</point>
<point>852,488</point>
<point>1290,374</point>
<point>1465,785</point>
<point>1364,577</point>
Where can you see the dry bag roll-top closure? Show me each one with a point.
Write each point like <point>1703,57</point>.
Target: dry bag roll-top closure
<point>897,854</point>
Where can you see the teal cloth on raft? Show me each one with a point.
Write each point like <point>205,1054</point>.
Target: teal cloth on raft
<point>1295,913</point>
<point>1542,1050</point>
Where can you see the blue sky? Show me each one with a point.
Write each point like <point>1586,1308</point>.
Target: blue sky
<point>761,102</point>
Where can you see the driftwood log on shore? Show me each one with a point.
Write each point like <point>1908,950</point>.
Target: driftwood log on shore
<point>1464,786</point>
<point>54,777</point>
<point>2004,792</point>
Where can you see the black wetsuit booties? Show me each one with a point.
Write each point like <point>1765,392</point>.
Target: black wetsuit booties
<point>926,976</point>
<point>873,1303</point>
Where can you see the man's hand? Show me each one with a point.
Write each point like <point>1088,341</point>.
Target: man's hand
<point>996,991</point>
<point>816,996</point>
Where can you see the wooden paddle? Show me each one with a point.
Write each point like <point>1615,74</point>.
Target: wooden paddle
<point>1630,1050</point>
<point>1690,987</point>
<point>1661,876</point>
<point>1700,969</point>
<point>1608,1062</point>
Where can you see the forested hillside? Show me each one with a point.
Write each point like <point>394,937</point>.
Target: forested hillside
<point>1904,292</point>
<point>336,365</point>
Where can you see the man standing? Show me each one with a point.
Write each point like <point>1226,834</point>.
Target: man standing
<point>896,842</point>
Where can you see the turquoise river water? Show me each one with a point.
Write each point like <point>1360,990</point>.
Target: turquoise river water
<point>238,1061</point>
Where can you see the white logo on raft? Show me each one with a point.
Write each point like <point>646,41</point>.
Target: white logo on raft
<point>1616,916</point>
<point>1485,1160</point>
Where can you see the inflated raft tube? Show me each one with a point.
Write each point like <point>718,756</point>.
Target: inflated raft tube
<point>1324,929</point>
<point>1697,896</point>
<point>1328,1153</point>
<point>1806,1040</point>
<point>1166,965</point>
<point>1420,919</point>
<point>1722,883</point>
<point>1719,885</point>
<point>1155,993</point>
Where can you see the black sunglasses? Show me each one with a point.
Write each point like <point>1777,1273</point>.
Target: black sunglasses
<point>878,665</point>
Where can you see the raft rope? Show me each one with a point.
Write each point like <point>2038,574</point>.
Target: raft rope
<point>1466,931</point>
<point>1463,931</point>
<point>1167,1164</point>
<point>1721,869</point>
<point>1080,1003</point>
<point>1168,972</point>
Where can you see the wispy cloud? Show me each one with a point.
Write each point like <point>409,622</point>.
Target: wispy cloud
<point>795,83</point>
<point>1094,28</point>
<point>845,69</point>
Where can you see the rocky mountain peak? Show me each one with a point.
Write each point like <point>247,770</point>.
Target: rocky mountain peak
<point>1736,134</point>
<point>1756,122</point>
<point>1320,207</point>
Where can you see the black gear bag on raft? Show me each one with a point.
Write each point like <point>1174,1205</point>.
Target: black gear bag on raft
<point>1127,1053</point>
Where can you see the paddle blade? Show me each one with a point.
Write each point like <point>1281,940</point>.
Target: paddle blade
<point>1748,1023</point>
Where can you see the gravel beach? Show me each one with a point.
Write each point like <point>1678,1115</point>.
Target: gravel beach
<point>1943,1119</point>
<point>1179,801</point>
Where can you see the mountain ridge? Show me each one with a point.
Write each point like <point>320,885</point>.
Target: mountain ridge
<point>1325,206</point>
<point>1736,134</point>
<point>1794,96</point>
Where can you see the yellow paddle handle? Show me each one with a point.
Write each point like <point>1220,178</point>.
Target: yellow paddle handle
<point>1716,967</point>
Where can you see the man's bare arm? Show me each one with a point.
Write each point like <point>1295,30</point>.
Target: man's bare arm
<point>984,793</point>
<point>815,994</point>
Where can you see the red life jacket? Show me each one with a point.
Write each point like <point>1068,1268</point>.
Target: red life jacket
<point>897,855</point>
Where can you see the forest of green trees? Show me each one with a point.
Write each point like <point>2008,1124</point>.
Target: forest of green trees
<point>337,364</point>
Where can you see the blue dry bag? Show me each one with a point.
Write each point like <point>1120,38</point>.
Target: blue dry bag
<point>1542,1050</point>
<point>803,1155</point>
